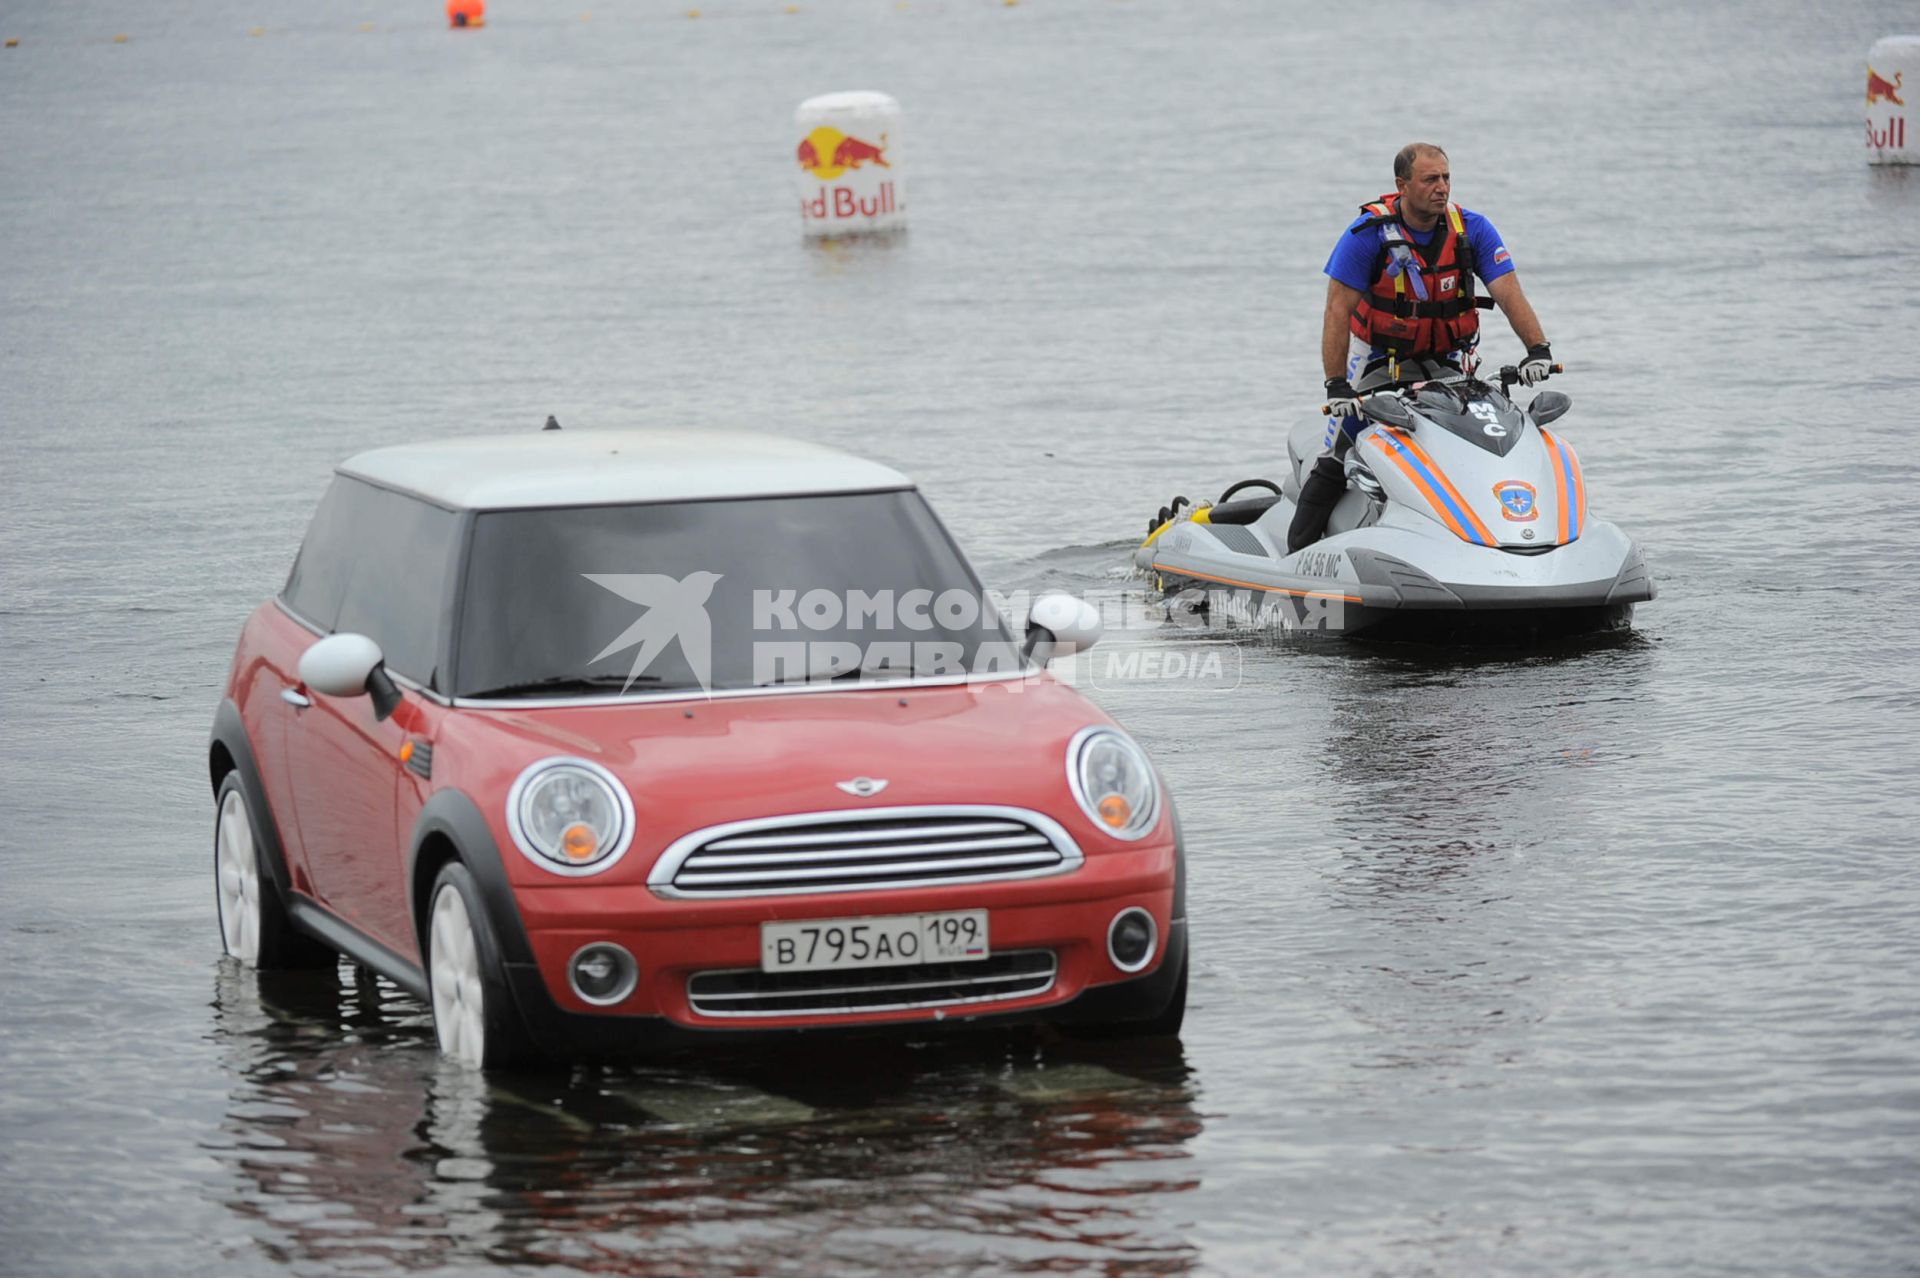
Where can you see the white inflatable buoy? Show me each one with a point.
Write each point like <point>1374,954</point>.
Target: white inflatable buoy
<point>1890,121</point>
<point>851,178</point>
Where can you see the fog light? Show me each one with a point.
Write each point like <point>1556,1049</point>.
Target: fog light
<point>603,973</point>
<point>1130,939</point>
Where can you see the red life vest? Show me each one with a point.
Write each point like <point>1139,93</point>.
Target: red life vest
<point>1392,316</point>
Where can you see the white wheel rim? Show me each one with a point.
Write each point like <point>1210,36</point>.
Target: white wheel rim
<point>237,872</point>
<point>453,960</point>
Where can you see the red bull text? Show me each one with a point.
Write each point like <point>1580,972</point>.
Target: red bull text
<point>827,154</point>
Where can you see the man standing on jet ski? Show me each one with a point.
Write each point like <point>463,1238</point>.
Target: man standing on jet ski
<point>1400,285</point>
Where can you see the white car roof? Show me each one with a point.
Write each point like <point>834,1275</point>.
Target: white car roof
<point>609,467</point>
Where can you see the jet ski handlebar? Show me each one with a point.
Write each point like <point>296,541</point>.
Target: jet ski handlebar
<point>1509,375</point>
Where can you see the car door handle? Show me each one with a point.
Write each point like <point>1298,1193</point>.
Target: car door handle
<point>294,698</point>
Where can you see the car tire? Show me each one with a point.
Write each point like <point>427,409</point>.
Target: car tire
<point>474,1016</point>
<point>1173,1016</point>
<point>254,926</point>
<point>1165,1024</point>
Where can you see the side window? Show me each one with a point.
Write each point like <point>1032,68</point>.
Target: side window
<point>378,563</point>
<point>403,565</point>
<point>319,578</point>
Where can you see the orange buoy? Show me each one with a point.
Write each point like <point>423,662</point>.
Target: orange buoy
<point>466,13</point>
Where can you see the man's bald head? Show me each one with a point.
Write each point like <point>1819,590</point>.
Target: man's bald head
<point>1403,162</point>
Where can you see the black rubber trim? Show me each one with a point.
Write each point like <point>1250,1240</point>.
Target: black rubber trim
<point>1409,585</point>
<point>453,814</point>
<point>1635,583</point>
<point>1137,1000</point>
<point>231,732</point>
<point>1581,594</point>
<point>316,920</point>
<point>1179,911</point>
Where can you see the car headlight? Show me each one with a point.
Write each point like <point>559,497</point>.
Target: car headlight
<point>1113,782</point>
<point>570,816</point>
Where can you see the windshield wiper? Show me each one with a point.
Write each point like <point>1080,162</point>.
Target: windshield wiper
<point>567,683</point>
<point>876,674</point>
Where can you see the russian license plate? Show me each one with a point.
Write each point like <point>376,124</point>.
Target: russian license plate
<point>889,940</point>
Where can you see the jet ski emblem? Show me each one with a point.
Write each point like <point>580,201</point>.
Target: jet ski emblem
<point>1516,500</point>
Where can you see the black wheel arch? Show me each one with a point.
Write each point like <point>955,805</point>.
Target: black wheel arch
<point>229,750</point>
<point>451,827</point>
<point>1179,860</point>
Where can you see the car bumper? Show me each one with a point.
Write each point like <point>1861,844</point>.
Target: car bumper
<point>1141,997</point>
<point>1067,917</point>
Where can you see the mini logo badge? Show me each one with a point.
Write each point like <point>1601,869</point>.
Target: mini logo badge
<point>1516,500</point>
<point>862,787</point>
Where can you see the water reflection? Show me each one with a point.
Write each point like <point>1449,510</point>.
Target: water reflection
<point>1468,745</point>
<point>1461,785</point>
<point>355,1148</point>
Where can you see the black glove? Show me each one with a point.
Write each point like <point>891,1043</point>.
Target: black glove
<point>1538,363</point>
<point>1342,399</point>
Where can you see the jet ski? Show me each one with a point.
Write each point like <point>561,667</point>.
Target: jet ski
<point>1463,518</point>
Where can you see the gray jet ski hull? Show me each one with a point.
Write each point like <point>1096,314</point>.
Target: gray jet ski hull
<point>1390,577</point>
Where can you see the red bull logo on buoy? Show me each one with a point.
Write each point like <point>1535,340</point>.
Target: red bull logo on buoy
<point>1892,135</point>
<point>827,153</point>
<point>1888,63</point>
<point>851,176</point>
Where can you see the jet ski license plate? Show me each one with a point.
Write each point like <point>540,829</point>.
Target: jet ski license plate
<point>885,940</point>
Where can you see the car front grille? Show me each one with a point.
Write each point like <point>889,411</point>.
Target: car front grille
<point>748,993</point>
<point>863,851</point>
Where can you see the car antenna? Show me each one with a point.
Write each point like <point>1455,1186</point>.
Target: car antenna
<point>553,423</point>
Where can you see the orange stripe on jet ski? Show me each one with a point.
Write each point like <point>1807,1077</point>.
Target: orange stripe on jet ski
<point>1434,485</point>
<point>1569,486</point>
<point>1486,536</point>
<point>1250,585</point>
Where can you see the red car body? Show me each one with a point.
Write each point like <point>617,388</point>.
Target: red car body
<point>356,815</point>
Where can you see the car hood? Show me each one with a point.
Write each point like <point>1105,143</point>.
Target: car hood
<point>692,764</point>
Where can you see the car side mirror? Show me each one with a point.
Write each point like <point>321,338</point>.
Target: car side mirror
<point>347,665</point>
<point>1059,626</point>
<point>1548,406</point>
<point>1390,409</point>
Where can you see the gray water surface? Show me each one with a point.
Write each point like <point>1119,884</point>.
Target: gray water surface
<point>1600,959</point>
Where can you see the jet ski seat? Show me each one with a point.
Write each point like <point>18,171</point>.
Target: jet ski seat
<point>1245,511</point>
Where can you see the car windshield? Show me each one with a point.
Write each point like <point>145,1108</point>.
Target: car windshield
<point>720,595</point>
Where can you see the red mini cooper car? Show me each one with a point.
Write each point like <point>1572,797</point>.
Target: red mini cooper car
<point>616,742</point>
